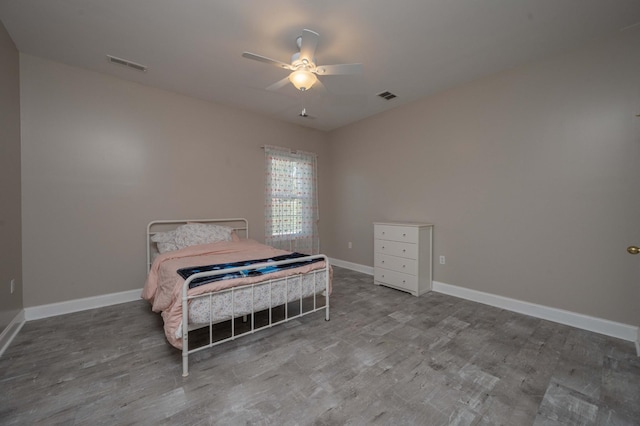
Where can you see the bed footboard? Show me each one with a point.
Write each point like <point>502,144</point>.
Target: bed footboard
<point>272,295</point>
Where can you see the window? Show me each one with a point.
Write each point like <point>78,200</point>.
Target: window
<point>291,212</point>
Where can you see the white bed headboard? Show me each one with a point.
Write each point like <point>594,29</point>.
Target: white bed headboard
<point>239,224</point>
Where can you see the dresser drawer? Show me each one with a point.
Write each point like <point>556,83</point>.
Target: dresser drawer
<point>400,264</point>
<point>396,233</point>
<point>396,279</point>
<point>395,248</point>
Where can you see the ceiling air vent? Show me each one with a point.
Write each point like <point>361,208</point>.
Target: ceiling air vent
<point>126,63</point>
<point>387,95</point>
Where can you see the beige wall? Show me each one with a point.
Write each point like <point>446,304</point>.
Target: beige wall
<point>530,177</point>
<point>10,219</point>
<point>102,157</point>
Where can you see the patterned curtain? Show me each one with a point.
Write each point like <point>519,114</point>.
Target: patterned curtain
<point>291,201</point>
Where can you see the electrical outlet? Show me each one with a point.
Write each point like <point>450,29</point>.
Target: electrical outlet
<point>13,285</point>
<point>350,244</point>
<point>442,260</point>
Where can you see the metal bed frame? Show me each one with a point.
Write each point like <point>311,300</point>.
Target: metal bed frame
<point>165,225</point>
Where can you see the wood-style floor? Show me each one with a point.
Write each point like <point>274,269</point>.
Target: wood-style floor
<point>384,358</point>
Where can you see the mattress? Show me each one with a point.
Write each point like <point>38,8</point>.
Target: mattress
<point>245,300</point>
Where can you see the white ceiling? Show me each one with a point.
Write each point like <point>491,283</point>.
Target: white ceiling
<point>412,48</point>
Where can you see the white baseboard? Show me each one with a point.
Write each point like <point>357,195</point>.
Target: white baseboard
<point>11,331</point>
<point>352,266</point>
<point>76,305</point>
<point>584,322</point>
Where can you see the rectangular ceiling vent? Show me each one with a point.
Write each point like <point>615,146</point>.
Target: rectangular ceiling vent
<point>126,63</point>
<point>387,95</point>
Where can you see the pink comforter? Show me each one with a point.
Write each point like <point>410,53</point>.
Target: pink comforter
<point>163,288</point>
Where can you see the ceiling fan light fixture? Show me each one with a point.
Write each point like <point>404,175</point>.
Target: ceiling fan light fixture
<point>303,79</point>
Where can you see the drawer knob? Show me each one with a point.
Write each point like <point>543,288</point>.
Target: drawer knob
<point>404,266</point>
<point>403,250</point>
<point>404,235</point>
<point>383,261</point>
<point>403,281</point>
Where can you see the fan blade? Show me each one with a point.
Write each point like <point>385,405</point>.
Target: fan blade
<point>318,86</point>
<point>339,69</point>
<point>279,84</point>
<point>266,60</point>
<point>308,44</point>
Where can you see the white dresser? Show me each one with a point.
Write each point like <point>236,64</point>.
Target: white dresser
<point>402,256</point>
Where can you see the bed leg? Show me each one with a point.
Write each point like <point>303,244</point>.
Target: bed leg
<point>326,298</point>
<point>185,365</point>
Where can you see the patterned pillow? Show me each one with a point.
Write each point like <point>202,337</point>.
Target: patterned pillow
<point>193,234</point>
<point>165,241</point>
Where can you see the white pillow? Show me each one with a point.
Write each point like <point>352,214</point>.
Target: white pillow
<point>165,241</point>
<point>193,234</point>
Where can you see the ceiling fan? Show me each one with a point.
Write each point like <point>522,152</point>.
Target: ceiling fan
<point>303,65</point>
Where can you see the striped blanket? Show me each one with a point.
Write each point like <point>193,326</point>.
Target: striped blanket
<point>187,272</point>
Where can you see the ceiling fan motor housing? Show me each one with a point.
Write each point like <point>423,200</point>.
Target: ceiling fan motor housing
<point>296,62</point>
